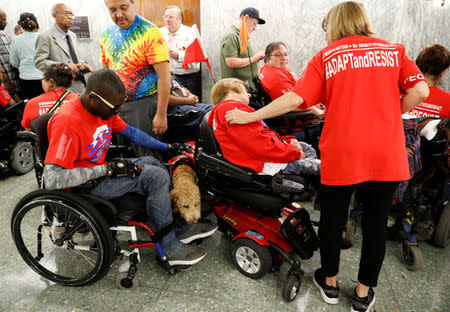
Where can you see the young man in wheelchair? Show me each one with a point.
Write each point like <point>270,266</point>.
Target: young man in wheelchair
<point>254,145</point>
<point>79,137</point>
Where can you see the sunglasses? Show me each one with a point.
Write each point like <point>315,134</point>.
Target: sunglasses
<point>115,108</point>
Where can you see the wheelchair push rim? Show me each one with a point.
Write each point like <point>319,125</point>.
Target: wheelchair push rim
<point>62,241</point>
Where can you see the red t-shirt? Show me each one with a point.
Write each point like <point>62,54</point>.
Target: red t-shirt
<point>360,79</point>
<point>4,97</point>
<point>436,105</point>
<point>41,104</point>
<point>79,139</point>
<point>277,81</point>
<point>249,145</point>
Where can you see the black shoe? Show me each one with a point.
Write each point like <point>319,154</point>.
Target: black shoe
<point>363,304</point>
<point>199,230</point>
<point>329,294</point>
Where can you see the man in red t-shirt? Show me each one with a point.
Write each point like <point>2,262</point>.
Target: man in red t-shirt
<point>79,138</point>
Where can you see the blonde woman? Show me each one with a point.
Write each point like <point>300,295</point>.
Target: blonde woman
<point>360,79</point>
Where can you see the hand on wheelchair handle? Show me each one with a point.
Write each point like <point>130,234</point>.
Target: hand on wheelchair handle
<point>179,148</point>
<point>123,167</point>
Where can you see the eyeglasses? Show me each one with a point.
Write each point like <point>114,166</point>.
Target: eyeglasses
<point>167,17</point>
<point>280,55</point>
<point>115,108</point>
<point>66,13</point>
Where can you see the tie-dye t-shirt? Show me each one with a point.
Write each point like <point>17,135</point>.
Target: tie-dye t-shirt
<point>131,53</point>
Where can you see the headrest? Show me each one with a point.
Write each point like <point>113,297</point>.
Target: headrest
<point>39,126</point>
<point>207,139</point>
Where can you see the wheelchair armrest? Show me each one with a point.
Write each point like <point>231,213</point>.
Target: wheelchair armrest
<point>298,114</point>
<point>284,184</point>
<point>28,136</point>
<point>223,167</point>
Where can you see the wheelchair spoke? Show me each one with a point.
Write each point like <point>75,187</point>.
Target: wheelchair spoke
<point>56,237</point>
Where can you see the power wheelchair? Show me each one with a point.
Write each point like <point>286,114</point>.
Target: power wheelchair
<point>424,211</point>
<point>302,124</point>
<point>258,212</point>
<point>15,153</point>
<point>69,236</point>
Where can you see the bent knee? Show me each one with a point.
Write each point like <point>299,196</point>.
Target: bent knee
<point>155,176</point>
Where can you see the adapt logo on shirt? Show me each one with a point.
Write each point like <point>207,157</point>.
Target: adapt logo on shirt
<point>355,56</point>
<point>101,142</point>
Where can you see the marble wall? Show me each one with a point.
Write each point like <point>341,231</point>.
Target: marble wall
<point>96,10</point>
<point>414,23</point>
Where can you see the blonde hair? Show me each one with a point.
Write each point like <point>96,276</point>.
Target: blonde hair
<point>347,19</point>
<point>223,87</point>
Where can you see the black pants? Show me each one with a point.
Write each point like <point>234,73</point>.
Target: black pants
<point>376,199</point>
<point>31,88</point>
<point>188,81</point>
<point>139,114</point>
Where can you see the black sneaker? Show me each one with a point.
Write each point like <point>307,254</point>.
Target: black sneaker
<point>198,230</point>
<point>187,255</point>
<point>329,294</point>
<point>363,304</point>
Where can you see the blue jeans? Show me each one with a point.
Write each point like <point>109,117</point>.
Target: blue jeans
<point>154,182</point>
<point>188,115</point>
<point>308,166</point>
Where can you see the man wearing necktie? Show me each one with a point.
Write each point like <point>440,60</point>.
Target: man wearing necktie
<point>59,45</point>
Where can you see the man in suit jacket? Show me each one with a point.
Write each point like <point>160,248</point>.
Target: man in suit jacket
<point>59,45</point>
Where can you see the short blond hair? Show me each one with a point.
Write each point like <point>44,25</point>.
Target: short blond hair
<point>347,19</point>
<point>223,87</point>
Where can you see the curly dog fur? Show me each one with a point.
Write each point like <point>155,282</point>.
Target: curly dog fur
<point>185,196</point>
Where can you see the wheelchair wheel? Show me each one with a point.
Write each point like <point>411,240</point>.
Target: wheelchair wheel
<point>291,287</point>
<point>21,158</point>
<point>62,237</point>
<point>442,233</point>
<point>251,259</point>
<point>412,256</point>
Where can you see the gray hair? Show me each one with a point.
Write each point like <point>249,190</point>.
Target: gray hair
<point>177,8</point>
<point>54,8</point>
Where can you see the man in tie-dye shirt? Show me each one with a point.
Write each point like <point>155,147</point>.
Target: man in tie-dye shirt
<point>137,51</point>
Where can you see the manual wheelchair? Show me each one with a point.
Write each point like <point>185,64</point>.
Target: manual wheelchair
<point>258,212</point>
<point>70,236</point>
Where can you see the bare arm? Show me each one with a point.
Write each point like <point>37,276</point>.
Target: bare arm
<point>180,100</point>
<point>160,120</point>
<point>237,62</point>
<point>414,96</point>
<point>284,104</point>
<point>315,110</point>
<point>57,177</point>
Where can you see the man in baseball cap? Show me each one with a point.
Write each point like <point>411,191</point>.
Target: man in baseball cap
<point>252,12</point>
<point>234,64</point>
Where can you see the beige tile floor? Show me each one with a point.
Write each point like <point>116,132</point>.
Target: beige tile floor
<point>214,284</point>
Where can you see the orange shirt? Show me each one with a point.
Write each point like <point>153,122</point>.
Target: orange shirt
<point>359,79</point>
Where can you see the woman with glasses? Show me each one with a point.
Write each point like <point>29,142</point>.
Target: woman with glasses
<point>56,80</point>
<point>360,79</point>
<point>277,79</point>
<point>22,56</point>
